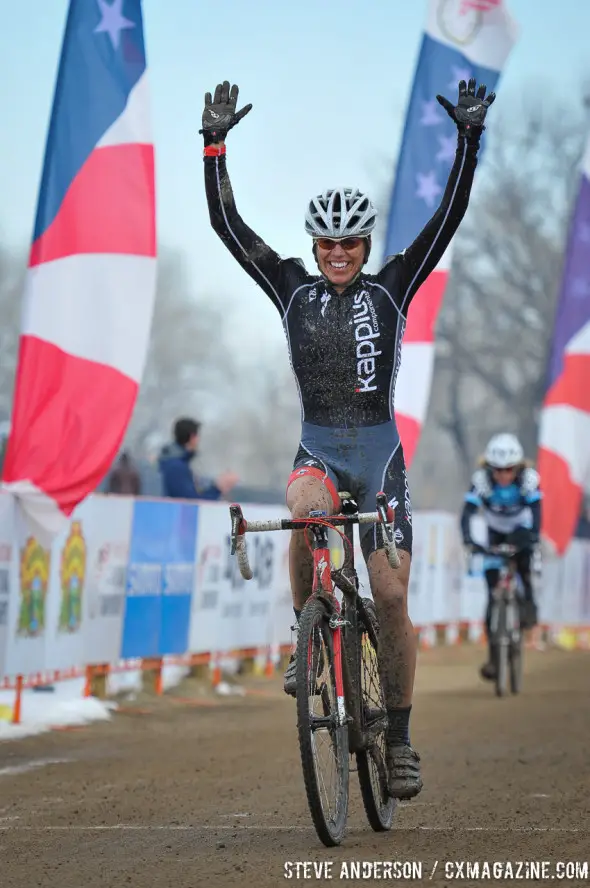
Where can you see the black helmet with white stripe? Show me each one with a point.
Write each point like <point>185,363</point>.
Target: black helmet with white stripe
<point>340,212</point>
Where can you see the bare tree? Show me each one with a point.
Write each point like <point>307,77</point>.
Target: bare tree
<point>188,368</point>
<point>259,439</point>
<point>495,328</point>
<point>12,270</point>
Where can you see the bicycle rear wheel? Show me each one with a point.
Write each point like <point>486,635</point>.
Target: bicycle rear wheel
<point>323,743</point>
<point>372,771</point>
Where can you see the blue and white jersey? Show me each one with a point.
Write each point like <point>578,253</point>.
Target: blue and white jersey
<point>505,508</point>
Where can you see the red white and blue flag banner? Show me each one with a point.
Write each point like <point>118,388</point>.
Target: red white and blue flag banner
<point>564,436</point>
<point>90,286</point>
<point>463,39</point>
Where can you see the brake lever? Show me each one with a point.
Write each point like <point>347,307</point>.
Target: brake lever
<point>382,510</point>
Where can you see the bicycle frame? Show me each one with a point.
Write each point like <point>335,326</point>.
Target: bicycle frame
<point>358,739</point>
<point>341,620</point>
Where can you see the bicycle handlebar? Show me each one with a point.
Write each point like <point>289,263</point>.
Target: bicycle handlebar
<point>505,550</point>
<point>240,527</point>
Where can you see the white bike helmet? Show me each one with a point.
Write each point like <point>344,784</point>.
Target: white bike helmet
<point>504,451</point>
<point>340,212</point>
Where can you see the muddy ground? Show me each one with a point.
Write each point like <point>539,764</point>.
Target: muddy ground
<point>191,790</point>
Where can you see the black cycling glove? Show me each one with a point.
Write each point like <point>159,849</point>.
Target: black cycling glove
<point>470,111</point>
<point>219,114</point>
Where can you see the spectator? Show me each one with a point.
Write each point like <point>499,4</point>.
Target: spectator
<point>177,479</point>
<point>124,479</point>
<point>582,531</point>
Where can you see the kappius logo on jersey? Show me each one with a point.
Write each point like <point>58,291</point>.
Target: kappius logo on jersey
<point>366,334</point>
<point>407,500</point>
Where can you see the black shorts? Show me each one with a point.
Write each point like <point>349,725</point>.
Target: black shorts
<point>363,461</point>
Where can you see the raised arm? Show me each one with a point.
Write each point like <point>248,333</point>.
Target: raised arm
<point>253,254</point>
<point>422,257</point>
<point>470,508</point>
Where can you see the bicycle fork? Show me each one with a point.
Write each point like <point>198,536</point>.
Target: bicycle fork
<point>322,586</point>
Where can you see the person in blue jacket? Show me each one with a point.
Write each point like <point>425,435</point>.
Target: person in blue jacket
<point>178,481</point>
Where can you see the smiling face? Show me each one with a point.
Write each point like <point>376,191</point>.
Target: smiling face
<point>340,260</point>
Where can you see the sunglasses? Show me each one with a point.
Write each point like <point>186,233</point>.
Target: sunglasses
<point>505,471</point>
<point>347,243</point>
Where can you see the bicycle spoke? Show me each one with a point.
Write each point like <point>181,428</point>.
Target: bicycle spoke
<point>320,691</point>
<point>323,742</point>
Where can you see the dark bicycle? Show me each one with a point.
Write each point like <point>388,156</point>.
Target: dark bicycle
<point>505,617</point>
<point>340,705</point>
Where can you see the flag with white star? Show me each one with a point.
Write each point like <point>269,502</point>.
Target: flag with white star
<point>564,436</point>
<point>90,284</point>
<point>462,39</point>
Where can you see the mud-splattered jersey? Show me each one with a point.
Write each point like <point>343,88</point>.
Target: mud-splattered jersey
<point>345,349</point>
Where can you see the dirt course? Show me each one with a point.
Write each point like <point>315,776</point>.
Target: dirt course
<point>189,791</point>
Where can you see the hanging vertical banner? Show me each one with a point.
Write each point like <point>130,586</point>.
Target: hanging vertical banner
<point>90,285</point>
<point>463,39</point>
<point>564,438</point>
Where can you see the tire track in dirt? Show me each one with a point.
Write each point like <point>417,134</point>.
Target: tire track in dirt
<point>187,796</point>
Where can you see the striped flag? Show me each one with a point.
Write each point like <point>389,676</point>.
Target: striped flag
<point>564,436</point>
<point>463,39</point>
<point>90,284</point>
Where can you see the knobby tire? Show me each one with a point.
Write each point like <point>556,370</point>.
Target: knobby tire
<point>372,771</point>
<point>330,824</point>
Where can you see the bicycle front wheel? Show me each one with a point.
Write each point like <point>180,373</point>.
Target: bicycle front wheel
<point>515,653</point>
<point>372,771</point>
<point>323,742</point>
<point>501,644</point>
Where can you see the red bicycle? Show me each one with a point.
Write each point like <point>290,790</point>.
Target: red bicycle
<point>340,706</point>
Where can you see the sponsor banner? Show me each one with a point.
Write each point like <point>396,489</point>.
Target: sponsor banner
<point>211,570</point>
<point>229,612</point>
<point>64,636</point>
<point>421,587</point>
<point>550,590</point>
<point>8,578</point>
<point>270,567</point>
<point>584,597</point>
<point>453,567</point>
<point>282,617</point>
<point>108,535</point>
<point>160,578</point>
<point>139,578</point>
<point>29,602</point>
<point>566,586</point>
<point>220,581</point>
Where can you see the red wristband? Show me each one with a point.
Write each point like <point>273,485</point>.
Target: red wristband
<point>213,150</point>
